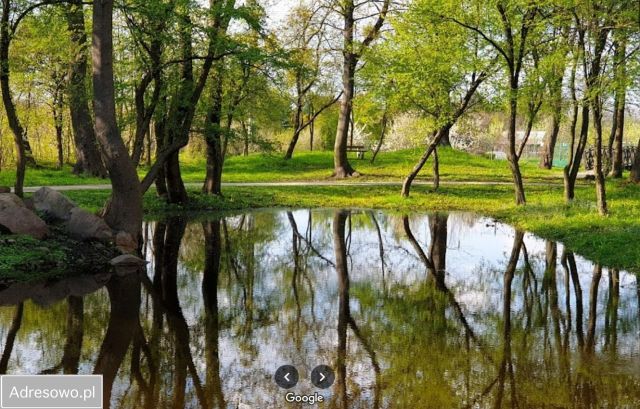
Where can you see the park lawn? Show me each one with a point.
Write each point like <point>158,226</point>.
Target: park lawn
<point>316,166</point>
<point>610,240</point>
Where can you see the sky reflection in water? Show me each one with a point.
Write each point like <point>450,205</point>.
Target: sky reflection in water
<point>426,311</point>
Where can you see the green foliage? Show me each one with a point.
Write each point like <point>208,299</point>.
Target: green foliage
<point>425,64</point>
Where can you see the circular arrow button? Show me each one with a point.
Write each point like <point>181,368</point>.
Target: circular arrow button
<point>286,376</point>
<point>322,376</point>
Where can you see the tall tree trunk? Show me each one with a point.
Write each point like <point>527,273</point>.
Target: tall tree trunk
<point>144,112</point>
<point>124,210</point>
<point>245,138</point>
<point>383,131</point>
<point>635,168</point>
<point>297,126</point>
<point>312,125</point>
<point>511,135</point>
<point>573,167</point>
<point>612,136</point>
<point>617,132</point>
<point>618,148</point>
<point>551,138</point>
<point>176,191</point>
<point>7,99</point>
<point>406,185</point>
<point>446,138</point>
<point>342,167</point>
<point>88,159</point>
<point>436,167</point>
<point>601,195</point>
<point>57,108</point>
<point>160,129</point>
<point>213,139</point>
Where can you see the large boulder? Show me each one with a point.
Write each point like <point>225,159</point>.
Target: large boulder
<point>83,225</point>
<point>16,218</point>
<point>10,199</point>
<point>53,204</point>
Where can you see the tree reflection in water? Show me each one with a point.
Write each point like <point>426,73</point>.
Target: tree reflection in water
<point>423,311</point>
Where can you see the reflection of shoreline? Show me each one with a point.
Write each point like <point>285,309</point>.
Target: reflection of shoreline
<point>47,293</point>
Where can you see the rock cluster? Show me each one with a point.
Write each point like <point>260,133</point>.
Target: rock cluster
<point>17,218</point>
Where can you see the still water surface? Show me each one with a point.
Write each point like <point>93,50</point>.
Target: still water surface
<point>425,311</point>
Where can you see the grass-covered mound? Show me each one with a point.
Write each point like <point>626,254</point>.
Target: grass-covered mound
<point>25,259</point>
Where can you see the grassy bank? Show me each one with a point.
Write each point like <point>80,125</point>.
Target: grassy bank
<point>610,241</point>
<point>317,166</point>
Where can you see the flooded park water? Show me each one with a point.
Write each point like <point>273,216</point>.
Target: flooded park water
<point>425,311</point>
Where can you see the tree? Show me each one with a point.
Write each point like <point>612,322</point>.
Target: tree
<point>148,21</point>
<point>23,149</point>
<point>307,36</point>
<point>124,210</point>
<point>352,50</point>
<point>508,26</point>
<point>578,141</point>
<point>174,125</point>
<point>595,22</point>
<point>88,159</point>
<point>615,145</point>
<point>554,64</point>
<point>419,70</point>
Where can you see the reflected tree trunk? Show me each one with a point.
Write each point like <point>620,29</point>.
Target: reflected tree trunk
<point>611,317</point>
<point>438,247</point>
<point>75,334</point>
<point>380,250</point>
<point>11,338</point>
<point>124,298</point>
<point>344,314</point>
<point>506,365</point>
<point>213,252</point>
<point>593,310</point>
<point>178,328</point>
<point>295,248</point>
<point>339,245</point>
<point>573,269</point>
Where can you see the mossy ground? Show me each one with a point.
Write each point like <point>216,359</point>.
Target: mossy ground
<point>25,259</point>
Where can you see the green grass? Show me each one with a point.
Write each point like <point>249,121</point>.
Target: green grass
<point>317,166</point>
<point>608,240</point>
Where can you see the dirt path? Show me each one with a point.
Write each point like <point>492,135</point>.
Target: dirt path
<point>65,188</point>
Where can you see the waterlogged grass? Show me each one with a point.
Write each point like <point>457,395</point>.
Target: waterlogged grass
<point>610,240</point>
<point>316,166</point>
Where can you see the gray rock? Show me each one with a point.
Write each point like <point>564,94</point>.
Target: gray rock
<point>128,260</point>
<point>83,225</point>
<point>10,199</point>
<point>53,203</point>
<point>17,219</point>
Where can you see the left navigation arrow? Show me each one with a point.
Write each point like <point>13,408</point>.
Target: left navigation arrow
<point>286,376</point>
